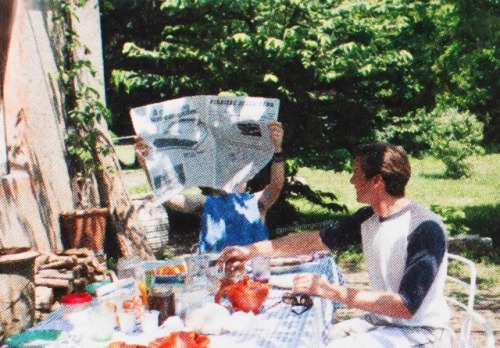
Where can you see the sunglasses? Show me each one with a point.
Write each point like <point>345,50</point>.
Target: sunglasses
<point>299,303</point>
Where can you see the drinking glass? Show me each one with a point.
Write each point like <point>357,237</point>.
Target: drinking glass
<point>149,321</point>
<point>261,269</point>
<point>197,272</point>
<point>126,319</point>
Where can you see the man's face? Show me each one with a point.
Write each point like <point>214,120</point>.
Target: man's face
<point>363,186</point>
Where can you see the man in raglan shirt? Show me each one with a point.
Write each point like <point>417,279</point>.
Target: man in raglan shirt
<point>404,245</point>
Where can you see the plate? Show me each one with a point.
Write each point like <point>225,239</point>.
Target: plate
<point>34,338</point>
<point>282,281</point>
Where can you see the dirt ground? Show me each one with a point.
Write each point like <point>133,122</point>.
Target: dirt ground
<point>487,304</point>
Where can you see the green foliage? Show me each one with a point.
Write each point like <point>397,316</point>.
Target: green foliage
<point>352,258</point>
<point>453,137</point>
<point>84,106</point>
<point>346,71</point>
<point>454,219</point>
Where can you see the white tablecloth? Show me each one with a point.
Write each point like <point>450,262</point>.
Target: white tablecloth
<point>277,327</point>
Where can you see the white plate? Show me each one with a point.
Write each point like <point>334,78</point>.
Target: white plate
<point>282,281</point>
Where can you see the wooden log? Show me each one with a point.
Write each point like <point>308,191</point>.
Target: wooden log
<point>83,260</point>
<point>53,282</point>
<point>78,271</point>
<point>98,266</point>
<point>79,252</point>
<point>55,273</point>
<point>44,297</point>
<point>62,262</point>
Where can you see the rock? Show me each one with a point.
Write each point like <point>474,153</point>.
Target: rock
<point>464,242</point>
<point>17,307</point>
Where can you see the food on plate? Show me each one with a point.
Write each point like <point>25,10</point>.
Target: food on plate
<point>170,270</point>
<point>246,295</point>
<point>133,303</point>
<point>181,339</point>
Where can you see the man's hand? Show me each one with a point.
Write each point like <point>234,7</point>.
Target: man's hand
<point>233,257</point>
<point>308,283</point>
<point>276,134</point>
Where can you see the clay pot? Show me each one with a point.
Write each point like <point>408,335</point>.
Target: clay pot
<point>84,228</point>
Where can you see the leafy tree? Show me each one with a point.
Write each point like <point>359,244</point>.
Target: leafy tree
<point>453,137</point>
<point>469,67</point>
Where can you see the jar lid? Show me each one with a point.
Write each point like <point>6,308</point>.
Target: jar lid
<point>76,298</point>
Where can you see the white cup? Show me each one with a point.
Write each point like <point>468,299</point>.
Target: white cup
<point>102,324</point>
<point>126,320</point>
<point>149,321</point>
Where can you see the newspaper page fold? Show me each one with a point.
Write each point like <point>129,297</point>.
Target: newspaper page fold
<point>210,141</point>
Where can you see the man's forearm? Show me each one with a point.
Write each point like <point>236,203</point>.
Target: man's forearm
<point>290,245</point>
<point>383,303</point>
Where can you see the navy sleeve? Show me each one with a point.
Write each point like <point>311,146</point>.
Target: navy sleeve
<point>426,249</point>
<point>347,231</point>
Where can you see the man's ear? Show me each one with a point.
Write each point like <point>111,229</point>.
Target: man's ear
<point>378,180</point>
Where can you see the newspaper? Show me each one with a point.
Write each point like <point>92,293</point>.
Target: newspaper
<point>209,141</point>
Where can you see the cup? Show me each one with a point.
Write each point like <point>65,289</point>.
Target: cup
<point>261,269</point>
<point>196,272</point>
<point>126,319</point>
<point>102,324</point>
<point>149,321</point>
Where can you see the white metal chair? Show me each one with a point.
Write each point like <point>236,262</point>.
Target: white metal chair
<point>468,308</point>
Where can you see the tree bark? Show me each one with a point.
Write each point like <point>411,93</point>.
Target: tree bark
<point>113,193</point>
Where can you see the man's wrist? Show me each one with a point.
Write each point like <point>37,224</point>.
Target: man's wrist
<point>278,157</point>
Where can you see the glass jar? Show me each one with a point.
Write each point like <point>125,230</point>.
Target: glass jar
<point>76,308</point>
<point>161,298</point>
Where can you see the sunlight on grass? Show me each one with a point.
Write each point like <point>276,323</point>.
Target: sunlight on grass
<point>430,188</point>
<point>427,185</point>
<point>125,153</point>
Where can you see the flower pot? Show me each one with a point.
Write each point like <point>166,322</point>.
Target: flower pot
<point>84,228</point>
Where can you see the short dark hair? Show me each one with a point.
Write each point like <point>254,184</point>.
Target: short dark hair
<point>389,160</point>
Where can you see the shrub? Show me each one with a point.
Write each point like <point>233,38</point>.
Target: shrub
<point>453,137</point>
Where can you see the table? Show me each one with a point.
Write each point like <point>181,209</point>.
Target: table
<point>305,330</point>
<point>277,327</point>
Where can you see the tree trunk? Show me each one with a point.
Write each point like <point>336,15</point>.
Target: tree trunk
<point>113,193</point>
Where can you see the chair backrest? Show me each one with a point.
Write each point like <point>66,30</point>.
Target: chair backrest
<point>469,315</point>
<point>469,286</point>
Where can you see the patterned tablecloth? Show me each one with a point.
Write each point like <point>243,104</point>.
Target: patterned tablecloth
<point>277,327</point>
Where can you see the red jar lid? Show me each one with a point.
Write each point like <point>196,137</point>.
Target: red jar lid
<point>77,298</point>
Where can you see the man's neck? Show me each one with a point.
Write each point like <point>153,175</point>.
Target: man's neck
<point>390,205</point>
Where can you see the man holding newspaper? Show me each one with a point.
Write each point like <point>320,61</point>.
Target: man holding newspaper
<point>230,218</point>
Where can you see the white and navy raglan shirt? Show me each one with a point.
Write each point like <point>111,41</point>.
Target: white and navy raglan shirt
<point>405,253</point>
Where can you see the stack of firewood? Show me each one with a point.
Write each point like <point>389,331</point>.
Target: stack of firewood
<point>59,274</point>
